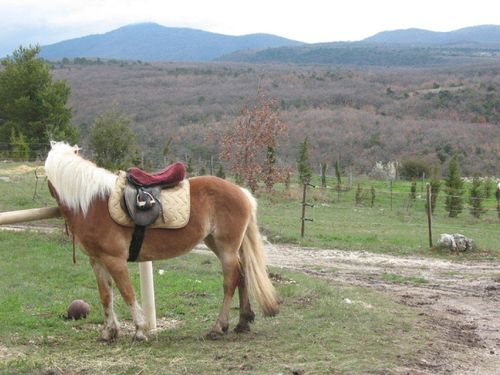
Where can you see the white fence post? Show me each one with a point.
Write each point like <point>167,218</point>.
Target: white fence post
<point>148,294</point>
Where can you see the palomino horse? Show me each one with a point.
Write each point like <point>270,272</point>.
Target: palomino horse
<point>223,215</point>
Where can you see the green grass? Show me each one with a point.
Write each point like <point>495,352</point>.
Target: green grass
<point>403,230</point>
<point>19,188</point>
<point>315,332</point>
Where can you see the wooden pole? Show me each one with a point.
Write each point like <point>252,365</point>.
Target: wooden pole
<point>148,294</point>
<point>303,218</point>
<point>429,212</point>
<point>12,217</point>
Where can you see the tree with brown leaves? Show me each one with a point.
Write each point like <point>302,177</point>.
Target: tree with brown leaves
<point>250,145</point>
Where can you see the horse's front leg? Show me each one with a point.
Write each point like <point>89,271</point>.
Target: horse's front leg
<point>104,284</point>
<point>117,267</point>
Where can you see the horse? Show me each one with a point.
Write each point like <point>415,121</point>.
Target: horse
<point>223,216</point>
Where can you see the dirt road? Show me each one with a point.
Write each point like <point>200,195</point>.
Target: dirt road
<point>460,301</point>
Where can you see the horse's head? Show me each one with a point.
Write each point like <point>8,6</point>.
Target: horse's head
<point>74,181</point>
<point>63,147</point>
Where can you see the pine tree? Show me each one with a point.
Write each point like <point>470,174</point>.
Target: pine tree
<point>189,166</point>
<point>372,196</point>
<point>113,141</point>
<point>413,191</point>
<point>454,189</point>
<point>476,197</point>
<point>220,172</point>
<point>20,148</point>
<point>337,174</point>
<point>435,183</point>
<point>324,167</point>
<point>31,103</point>
<point>303,166</point>
<point>359,195</point>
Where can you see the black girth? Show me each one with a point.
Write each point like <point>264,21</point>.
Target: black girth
<point>136,243</point>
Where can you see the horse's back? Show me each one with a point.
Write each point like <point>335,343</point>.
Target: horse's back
<point>218,191</point>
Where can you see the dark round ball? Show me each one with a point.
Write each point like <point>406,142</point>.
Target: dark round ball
<point>78,309</point>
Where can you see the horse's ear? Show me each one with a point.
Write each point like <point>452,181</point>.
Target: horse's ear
<point>76,149</point>
<point>52,144</point>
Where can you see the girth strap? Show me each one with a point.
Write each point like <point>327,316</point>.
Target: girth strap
<point>136,243</point>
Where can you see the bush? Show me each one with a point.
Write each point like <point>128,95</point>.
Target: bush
<point>454,189</point>
<point>476,197</point>
<point>413,168</point>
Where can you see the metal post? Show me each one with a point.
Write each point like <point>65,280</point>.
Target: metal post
<point>148,294</point>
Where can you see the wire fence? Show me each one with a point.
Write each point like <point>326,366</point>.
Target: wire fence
<point>329,212</point>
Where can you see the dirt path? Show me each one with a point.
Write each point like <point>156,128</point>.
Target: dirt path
<point>459,300</point>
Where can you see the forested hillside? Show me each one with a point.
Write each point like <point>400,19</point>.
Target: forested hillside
<point>355,115</point>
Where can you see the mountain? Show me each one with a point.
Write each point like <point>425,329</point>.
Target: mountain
<point>411,47</point>
<point>150,42</point>
<point>485,34</point>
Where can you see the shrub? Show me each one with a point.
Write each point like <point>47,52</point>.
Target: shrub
<point>413,168</point>
<point>476,197</point>
<point>454,189</point>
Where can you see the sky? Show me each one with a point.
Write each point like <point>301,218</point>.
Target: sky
<point>312,21</point>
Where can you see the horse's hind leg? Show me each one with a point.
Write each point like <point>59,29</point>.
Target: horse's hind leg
<point>231,272</point>
<point>104,284</point>
<point>118,269</point>
<point>246,313</point>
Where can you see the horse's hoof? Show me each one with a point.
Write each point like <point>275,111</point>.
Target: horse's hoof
<point>249,316</point>
<point>214,335</point>
<point>242,327</point>
<point>109,335</point>
<point>139,336</point>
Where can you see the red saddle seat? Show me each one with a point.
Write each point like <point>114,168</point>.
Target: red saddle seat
<point>171,175</point>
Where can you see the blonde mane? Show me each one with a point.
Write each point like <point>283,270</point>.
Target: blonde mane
<point>76,180</point>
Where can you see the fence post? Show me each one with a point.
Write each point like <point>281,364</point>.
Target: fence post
<point>148,294</point>
<point>429,212</point>
<point>304,204</point>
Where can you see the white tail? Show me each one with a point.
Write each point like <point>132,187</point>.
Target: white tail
<point>254,265</point>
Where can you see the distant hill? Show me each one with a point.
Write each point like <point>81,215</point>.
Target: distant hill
<point>340,54</point>
<point>485,34</point>
<point>153,42</point>
<point>412,47</point>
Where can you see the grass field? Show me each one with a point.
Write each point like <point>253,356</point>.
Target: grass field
<point>316,332</point>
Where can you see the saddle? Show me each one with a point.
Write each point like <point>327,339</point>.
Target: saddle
<point>141,195</point>
<point>141,200</point>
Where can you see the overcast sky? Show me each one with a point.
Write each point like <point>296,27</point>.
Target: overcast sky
<point>50,21</point>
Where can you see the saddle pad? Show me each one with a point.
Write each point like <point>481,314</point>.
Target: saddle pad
<point>175,203</point>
